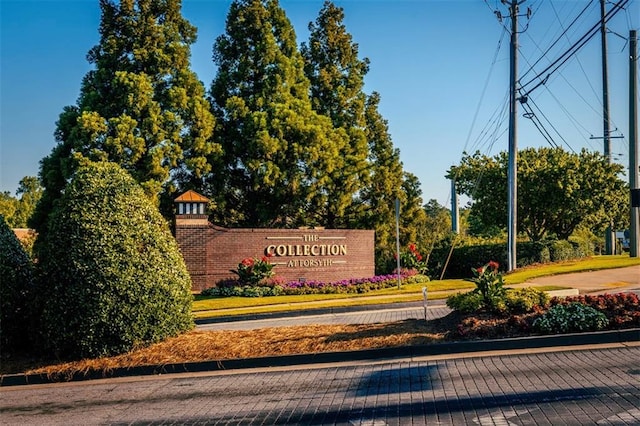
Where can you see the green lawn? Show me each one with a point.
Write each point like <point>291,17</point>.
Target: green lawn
<point>214,307</point>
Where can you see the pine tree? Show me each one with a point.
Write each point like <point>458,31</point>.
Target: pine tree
<point>413,217</point>
<point>385,186</point>
<point>279,154</point>
<point>337,80</point>
<point>141,107</point>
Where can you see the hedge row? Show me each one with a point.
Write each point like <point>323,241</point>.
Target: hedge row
<point>464,259</point>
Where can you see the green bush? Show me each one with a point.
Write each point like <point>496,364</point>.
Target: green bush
<point>512,301</point>
<point>243,291</point>
<point>467,303</point>
<point>463,259</point>
<point>571,318</point>
<point>112,277</point>
<point>522,300</point>
<point>562,250</point>
<point>16,288</point>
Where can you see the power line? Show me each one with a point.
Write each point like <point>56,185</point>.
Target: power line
<point>555,65</point>
<point>538,125</point>
<point>552,126</point>
<point>484,89</point>
<point>564,32</point>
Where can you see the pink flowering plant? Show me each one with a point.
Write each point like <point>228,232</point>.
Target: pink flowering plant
<point>252,271</point>
<point>489,285</point>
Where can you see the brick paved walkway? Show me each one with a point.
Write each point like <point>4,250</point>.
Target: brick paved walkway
<point>382,315</point>
<point>595,386</point>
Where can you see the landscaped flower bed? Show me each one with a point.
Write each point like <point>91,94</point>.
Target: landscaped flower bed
<point>621,311</point>
<point>276,287</point>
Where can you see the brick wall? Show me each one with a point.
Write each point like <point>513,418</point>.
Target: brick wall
<point>210,252</point>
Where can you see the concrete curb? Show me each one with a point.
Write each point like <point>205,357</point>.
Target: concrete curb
<point>614,336</point>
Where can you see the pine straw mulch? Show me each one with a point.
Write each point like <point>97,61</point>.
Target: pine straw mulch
<point>195,346</point>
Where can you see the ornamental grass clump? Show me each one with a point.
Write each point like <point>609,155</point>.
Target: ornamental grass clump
<point>571,318</point>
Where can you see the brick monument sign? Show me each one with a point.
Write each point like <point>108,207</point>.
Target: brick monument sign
<point>210,251</point>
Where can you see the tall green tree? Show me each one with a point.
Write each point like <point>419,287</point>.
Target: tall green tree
<point>557,191</point>
<point>17,210</point>
<point>385,185</point>
<point>437,224</point>
<point>413,217</point>
<point>30,191</point>
<point>141,107</point>
<point>8,207</point>
<point>279,154</point>
<point>337,76</point>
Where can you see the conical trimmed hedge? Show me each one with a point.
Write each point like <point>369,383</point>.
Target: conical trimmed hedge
<point>16,288</point>
<point>112,277</point>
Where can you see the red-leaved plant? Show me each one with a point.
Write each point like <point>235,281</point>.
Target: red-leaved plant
<point>489,284</point>
<point>252,271</point>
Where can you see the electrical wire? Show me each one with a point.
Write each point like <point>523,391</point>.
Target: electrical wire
<point>553,127</point>
<point>555,65</point>
<point>564,32</point>
<point>576,124</point>
<point>484,89</point>
<point>538,125</point>
<point>572,119</point>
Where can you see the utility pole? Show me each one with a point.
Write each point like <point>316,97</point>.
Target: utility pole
<point>512,173</point>
<point>455,211</point>
<point>633,145</point>
<point>609,241</point>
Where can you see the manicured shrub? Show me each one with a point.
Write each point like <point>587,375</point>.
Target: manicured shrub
<point>562,250</point>
<point>571,318</point>
<point>243,291</point>
<point>16,289</point>
<point>467,303</point>
<point>523,300</point>
<point>112,277</point>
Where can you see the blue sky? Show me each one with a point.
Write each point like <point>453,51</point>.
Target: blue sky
<point>441,67</point>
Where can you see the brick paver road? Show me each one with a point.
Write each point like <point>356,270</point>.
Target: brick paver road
<point>594,386</point>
